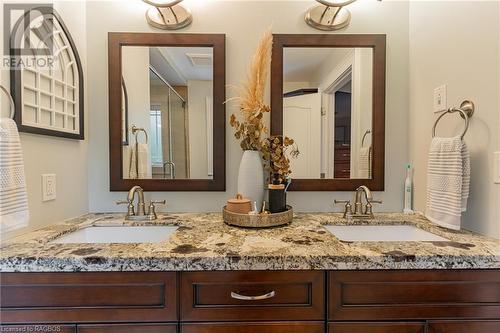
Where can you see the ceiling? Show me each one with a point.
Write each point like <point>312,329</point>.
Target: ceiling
<point>307,64</point>
<point>175,66</point>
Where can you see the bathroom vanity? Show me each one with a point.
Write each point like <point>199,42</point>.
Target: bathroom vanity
<point>209,277</point>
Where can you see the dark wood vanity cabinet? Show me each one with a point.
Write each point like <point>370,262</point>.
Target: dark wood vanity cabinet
<point>418,301</point>
<point>37,328</point>
<point>249,296</point>
<point>255,327</point>
<point>128,328</point>
<point>34,298</point>
<point>464,326</point>
<point>376,327</point>
<point>413,295</point>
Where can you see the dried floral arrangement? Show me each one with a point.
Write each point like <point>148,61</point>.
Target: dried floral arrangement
<point>276,151</point>
<point>251,130</point>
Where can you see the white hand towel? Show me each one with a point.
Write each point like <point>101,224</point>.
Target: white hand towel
<point>448,179</point>
<point>14,211</point>
<point>139,162</point>
<point>365,163</point>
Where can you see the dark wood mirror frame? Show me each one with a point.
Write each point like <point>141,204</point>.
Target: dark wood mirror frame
<point>116,40</point>
<point>378,44</point>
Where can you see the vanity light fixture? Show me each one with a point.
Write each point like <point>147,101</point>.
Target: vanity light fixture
<point>329,15</point>
<point>168,14</point>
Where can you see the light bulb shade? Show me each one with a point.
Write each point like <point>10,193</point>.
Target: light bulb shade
<point>335,3</point>
<point>329,15</point>
<point>162,3</point>
<point>168,14</point>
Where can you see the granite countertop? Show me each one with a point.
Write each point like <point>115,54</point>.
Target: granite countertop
<point>204,242</point>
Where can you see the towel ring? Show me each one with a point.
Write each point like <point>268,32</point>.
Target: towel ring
<point>136,130</point>
<point>11,101</point>
<point>364,137</point>
<point>466,111</point>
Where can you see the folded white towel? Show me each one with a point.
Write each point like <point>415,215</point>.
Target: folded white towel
<point>139,164</point>
<point>14,211</point>
<point>365,163</point>
<point>448,179</point>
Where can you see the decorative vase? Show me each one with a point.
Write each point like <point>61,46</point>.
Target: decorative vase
<point>251,177</point>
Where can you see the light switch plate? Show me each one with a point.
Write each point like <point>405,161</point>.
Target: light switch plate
<point>440,99</point>
<point>48,187</point>
<point>496,170</point>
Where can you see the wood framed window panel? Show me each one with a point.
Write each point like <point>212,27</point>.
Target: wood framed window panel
<point>48,99</point>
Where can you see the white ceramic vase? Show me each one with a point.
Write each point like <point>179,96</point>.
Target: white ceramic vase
<point>251,177</point>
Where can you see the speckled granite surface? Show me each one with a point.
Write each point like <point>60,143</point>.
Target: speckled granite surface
<point>204,242</point>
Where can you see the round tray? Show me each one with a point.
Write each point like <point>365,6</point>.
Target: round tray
<point>258,221</point>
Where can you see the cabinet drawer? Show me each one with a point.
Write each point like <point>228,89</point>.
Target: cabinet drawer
<point>376,328</point>
<point>128,328</point>
<point>342,155</point>
<point>464,326</point>
<point>380,295</point>
<point>221,296</point>
<point>283,327</point>
<point>38,328</point>
<point>342,170</point>
<point>84,297</point>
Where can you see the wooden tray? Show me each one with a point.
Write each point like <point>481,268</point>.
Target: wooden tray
<point>258,221</point>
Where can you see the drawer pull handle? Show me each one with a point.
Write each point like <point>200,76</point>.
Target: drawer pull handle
<point>253,298</point>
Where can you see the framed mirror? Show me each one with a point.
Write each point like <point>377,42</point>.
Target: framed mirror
<point>166,111</point>
<point>328,94</point>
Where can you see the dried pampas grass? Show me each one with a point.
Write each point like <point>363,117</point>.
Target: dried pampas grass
<point>252,94</point>
<point>251,98</point>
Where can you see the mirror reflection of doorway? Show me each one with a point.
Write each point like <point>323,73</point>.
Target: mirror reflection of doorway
<point>342,116</point>
<point>327,108</point>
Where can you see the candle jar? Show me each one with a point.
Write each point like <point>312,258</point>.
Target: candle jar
<point>277,198</point>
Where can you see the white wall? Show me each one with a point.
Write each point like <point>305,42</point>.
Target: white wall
<point>198,91</point>
<point>135,64</point>
<point>362,105</point>
<point>243,23</point>
<point>64,157</point>
<point>466,58</point>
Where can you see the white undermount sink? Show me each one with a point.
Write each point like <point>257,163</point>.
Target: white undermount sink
<point>382,233</point>
<point>118,234</point>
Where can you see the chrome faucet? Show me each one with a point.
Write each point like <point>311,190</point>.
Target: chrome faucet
<point>360,210</point>
<point>140,213</point>
<point>172,169</point>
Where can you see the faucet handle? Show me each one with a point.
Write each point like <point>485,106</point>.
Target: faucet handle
<point>122,202</point>
<point>130,206</point>
<point>376,201</point>
<point>369,206</point>
<point>152,209</point>
<point>158,202</point>
<point>348,207</point>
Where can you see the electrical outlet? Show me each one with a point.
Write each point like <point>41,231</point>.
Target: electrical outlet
<point>440,102</point>
<point>48,187</point>
<point>496,170</point>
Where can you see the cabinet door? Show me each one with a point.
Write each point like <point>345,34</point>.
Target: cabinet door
<point>464,326</point>
<point>128,328</point>
<point>48,328</point>
<point>283,327</point>
<point>406,327</point>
